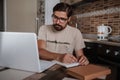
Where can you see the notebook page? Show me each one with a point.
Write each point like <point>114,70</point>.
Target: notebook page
<point>67,65</point>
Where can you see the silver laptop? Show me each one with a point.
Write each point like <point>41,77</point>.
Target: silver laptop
<point>19,50</point>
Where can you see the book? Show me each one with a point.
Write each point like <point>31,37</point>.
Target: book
<point>67,65</point>
<point>88,72</point>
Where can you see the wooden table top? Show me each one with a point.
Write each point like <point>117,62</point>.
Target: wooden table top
<point>56,72</point>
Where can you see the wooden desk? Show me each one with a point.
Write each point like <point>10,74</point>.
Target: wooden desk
<point>56,72</point>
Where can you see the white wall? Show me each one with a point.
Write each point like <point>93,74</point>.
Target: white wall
<point>20,15</point>
<point>49,4</point>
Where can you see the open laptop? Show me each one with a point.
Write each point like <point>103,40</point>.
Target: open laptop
<point>19,50</point>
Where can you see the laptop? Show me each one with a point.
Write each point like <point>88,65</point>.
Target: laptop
<point>19,50</point>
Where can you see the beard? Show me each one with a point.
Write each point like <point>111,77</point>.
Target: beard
<point>58,27</point>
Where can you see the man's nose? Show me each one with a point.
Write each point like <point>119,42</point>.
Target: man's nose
<point>58,21</point>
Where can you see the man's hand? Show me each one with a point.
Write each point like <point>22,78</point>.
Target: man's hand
<point>83,60</point>
<point>69,58</point>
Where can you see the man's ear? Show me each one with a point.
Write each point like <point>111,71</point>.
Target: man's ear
<point>69,19</point>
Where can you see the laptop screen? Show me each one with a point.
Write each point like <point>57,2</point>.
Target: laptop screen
<point>19,50</point>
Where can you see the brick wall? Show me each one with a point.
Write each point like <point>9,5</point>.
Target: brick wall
<point>93,14</point>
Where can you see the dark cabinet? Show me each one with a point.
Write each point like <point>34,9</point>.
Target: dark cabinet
<point>109,53</point>
<point>90,52</point>
<point>104,54</point>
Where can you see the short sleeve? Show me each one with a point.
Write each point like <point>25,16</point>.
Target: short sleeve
<point>79,42</point>
<point>42,33</point>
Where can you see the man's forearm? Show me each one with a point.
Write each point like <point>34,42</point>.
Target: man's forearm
<point>79,53</point>
<point>44,54</point>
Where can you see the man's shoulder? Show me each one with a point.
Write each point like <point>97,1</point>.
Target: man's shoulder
<point>73,28</point>
<point>46,26</point>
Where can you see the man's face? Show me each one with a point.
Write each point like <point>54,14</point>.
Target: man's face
<point>60,20</point>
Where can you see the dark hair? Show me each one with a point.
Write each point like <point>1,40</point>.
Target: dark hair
<point>64,7</point>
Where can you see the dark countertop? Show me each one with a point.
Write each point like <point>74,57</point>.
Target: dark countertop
<point>93,38</point>
<point>102,42</point>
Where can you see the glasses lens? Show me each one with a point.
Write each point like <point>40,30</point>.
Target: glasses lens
<point>59,18</point>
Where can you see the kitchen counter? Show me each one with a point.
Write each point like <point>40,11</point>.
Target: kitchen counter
<point>102,41</point>
<point>93,38</point>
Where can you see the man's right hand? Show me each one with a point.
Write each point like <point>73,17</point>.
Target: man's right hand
<point>68,58</point>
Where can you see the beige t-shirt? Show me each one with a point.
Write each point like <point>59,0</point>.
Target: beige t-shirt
<point>64,41</point>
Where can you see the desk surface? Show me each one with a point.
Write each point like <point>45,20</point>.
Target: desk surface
<point>55,72</point>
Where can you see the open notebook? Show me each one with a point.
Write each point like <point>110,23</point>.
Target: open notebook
<point>67,65</point>
<point>19,50</point>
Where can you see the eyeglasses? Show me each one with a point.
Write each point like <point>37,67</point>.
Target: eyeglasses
<point>62,20</point>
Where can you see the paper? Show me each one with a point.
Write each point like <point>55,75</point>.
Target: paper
<point>67,65</point>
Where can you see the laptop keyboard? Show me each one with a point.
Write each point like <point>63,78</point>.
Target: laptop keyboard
<point>46,64</point>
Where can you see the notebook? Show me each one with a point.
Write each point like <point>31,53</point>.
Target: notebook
<point>67,65</point>
<point>18,50</point>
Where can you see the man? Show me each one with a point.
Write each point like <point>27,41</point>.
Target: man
<point>59,40</point>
